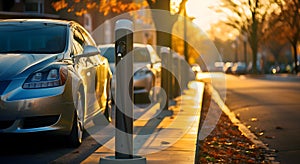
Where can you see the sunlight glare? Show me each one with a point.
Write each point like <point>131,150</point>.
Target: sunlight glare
<point>204,15</point>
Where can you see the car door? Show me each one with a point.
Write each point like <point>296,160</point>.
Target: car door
<point>86,69</point>
<point>155,67</point>
<point>103,77</point>
<point>100,78</point>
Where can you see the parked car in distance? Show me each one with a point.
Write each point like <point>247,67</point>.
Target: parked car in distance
<point>146,67</point>
<point>227,67</point>
<point>52,78</point>
<point>196,68</point>
<point>239,68</point>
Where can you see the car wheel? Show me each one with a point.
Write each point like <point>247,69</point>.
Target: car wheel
<point>153,91</point>
<point>150,96</point>
<point>147,97</point>
<point>74,139</point>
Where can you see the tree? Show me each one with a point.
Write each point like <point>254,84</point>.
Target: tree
<point>162,22</point>
<point>289,23</point>
<point>248,17</point>
<point>196,40</point>
<point>165,27</point>
<point>80,7</point>
<point>274,38</point>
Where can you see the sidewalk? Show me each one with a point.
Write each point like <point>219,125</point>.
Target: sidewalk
<point>169,136</point>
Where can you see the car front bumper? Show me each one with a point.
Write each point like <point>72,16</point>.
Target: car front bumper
<point>40,110</point>
<point>142,84</point>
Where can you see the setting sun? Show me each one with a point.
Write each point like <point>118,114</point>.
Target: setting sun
<point>203,14</point>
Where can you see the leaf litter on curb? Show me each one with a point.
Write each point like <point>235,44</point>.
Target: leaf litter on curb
<point>226,144</point>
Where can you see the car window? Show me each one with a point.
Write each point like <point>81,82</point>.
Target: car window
<point>78,42</point>
<point>141,54</point>
<point>81,39</point>
<point>44,38</point>
<point>86,37</point>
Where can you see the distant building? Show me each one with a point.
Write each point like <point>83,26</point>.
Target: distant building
<point>101,27</point>
<point>27,9</point>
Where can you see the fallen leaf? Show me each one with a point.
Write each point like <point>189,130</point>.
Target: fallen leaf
<point>261,133</point>
<point>164,142</point>
<point>228,143</point>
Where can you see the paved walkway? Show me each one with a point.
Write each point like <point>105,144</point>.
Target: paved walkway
<point>169,136</point>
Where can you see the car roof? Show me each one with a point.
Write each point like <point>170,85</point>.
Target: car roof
<point>54,21</point>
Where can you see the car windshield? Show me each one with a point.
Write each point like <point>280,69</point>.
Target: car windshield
<point>141,55</point>
<point>28,37</point>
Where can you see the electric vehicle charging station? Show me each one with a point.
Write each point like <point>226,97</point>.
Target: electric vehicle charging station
<point>123,108</point>
<point>124,96</point>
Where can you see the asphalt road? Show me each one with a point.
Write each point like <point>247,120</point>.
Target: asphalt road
<point>33,148</point>
<point>270,107</point>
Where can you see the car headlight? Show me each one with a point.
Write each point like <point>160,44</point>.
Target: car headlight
<point>52,77</point>
<point>142,72</point>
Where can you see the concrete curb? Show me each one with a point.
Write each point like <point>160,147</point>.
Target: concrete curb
<point>244,130</point>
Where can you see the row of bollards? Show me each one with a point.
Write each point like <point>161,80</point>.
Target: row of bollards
<point>174,79</point>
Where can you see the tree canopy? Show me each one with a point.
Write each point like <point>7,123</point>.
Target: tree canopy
<point>249,18</point>
<point>80,7</point>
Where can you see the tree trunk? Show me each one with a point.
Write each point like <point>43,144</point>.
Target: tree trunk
<point>295,57</point>
<point>254,47</point>
<point>163,21</point>
<point>254,41</point>
<point>254,56</point>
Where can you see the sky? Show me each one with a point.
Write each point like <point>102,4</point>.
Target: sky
<point>204,16</point>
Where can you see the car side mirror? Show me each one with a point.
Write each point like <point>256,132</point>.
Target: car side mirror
<point>87,51</point>
<point>90,49</point>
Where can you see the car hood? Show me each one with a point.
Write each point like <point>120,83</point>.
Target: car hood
<point>20,65</point>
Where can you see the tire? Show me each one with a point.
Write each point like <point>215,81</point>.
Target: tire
<point>74,139</point>
<point>146,97</point>
<point>153,91</point>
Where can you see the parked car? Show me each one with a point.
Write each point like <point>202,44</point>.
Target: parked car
<point>227,67</point>
<point>52,78</point>
<point>239,68</point>
<point>146,67</point>
<point>196,68</point>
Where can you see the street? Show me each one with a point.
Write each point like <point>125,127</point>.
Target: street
<point>269,107</point>
<point>46,148</point>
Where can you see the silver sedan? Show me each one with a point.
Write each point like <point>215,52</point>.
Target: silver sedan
<point>52,78</point>
<point>146,67</point>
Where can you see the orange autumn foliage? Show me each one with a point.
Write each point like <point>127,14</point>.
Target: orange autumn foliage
<point>81,7</point>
